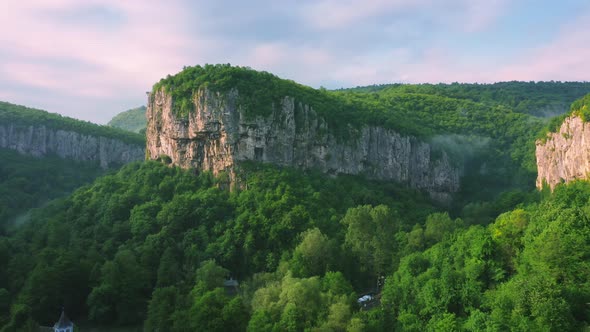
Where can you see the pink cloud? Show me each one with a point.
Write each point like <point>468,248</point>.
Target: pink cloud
<point>467,15</point>
<point>272,55</point>
<point>564,58</point>
<point>149,43</point>
<point>329,14</point>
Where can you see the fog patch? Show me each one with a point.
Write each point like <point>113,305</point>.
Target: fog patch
<point>550,112</point>
<point>21,219</point>
<point>460,149</point>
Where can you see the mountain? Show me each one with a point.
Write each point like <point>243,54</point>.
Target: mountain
<point>131,120</point>
<point>542,99</point>
<point>214,116</point>
<point>46,156</point>
<point>39,133</point>
<point>217,135</point>
<point>222,231</point>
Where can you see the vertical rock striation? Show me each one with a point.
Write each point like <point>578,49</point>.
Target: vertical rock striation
<point>565,155</point>
<point>217,134</point>
<point>39,141</point>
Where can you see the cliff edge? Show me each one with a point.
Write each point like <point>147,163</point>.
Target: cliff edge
<point>39,133</point>
<point>564,155</point>
<point>217,133</point>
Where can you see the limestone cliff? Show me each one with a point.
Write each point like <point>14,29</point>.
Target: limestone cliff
<point>217,134</point>
<point>40,140</point>
<point>565,155</point>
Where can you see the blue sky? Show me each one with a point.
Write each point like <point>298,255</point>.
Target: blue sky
<point>95,58</point>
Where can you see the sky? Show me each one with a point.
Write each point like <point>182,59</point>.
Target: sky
<point>92,59</point>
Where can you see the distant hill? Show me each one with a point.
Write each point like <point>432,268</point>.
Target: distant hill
<point>130,120</point>
<point>12,114</point>
<point>542,99</point>
<point>39,133</point>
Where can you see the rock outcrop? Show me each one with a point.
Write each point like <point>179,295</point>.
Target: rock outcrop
<point>39,141</point>
<point>565,155</point>
<point>217,134</point>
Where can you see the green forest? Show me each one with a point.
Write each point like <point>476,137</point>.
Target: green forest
<point>154,247</point>
<point>535,98</point>
<point>133,120</point>
<point>27,182</point>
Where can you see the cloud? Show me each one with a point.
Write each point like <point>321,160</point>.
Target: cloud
<point>120,46</point>
<point>471,15</point>
<point>63,54</point>
<point>566,57</point>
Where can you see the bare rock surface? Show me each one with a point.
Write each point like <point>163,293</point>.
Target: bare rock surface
<point>40,141</point>
<point>565,155</point>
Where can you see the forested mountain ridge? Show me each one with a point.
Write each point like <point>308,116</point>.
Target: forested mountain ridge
<point>151,245</point>
<point>46,156</point>
<point>22,115</point>
<point>491,143</point>
<point>544,99</point>
<point>217,134</point>
<point>39,133</point>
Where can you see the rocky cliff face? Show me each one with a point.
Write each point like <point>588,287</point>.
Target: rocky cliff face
<point>39,141</point>
<point>217,135</point>
<point>565,156</point>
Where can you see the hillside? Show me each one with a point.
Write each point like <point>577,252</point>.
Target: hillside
<point>131,120</point>
<point>152,243</point>
<point>153,246</point>
<point>46,156</point>
<point>218,135</point>
<point>493,144</point>
<point>27,182</point>
<point>543,99</point>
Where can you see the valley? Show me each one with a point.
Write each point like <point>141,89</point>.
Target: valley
<point>256,203</point>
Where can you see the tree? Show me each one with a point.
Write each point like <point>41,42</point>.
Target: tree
<point>161,309</point>
<point>438,225</point>
<point>168,271</point>
<point>210,276</point>
<point>369,233</point>
<point>123,292</point>
<point>313,255</point>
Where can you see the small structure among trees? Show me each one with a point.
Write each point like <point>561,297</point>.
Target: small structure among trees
<point>64,324</point>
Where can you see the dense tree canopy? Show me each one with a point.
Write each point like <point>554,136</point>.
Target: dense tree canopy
<point>127,251</point>
<point>27,182</point>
